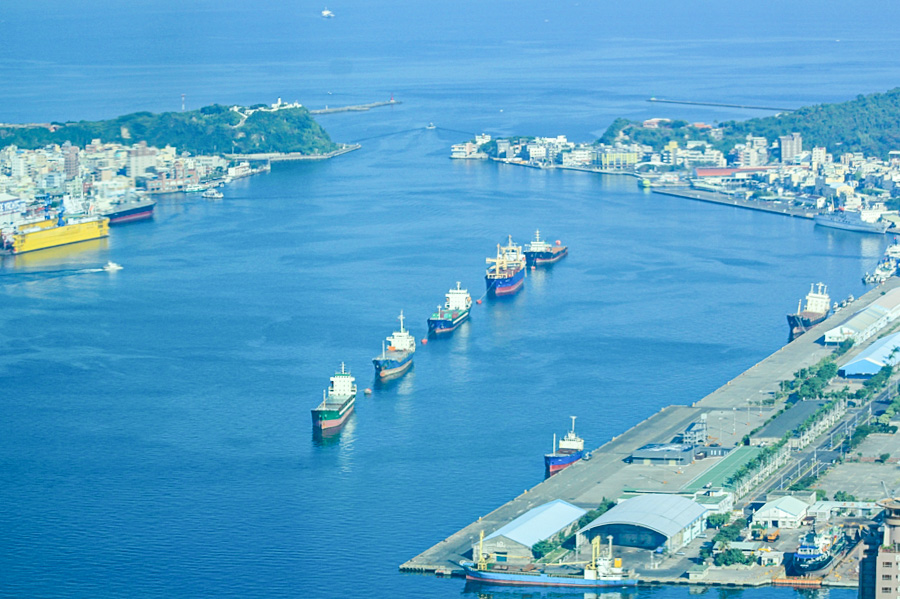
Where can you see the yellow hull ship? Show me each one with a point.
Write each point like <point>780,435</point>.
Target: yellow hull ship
<point>38,238</point>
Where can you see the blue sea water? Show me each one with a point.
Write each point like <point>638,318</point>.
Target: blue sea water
<point>155,436</point>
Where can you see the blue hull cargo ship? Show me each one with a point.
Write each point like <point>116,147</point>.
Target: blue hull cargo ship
<point>506,273</point>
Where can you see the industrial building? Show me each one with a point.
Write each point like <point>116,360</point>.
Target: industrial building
<point>649,522</point>
<point>670,454</point>
<point>866,323</point>
<point>881,353</point>
<point>784,512</point>
<point>513,542</point>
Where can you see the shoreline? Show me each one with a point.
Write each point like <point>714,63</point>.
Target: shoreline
<point>291,156</point>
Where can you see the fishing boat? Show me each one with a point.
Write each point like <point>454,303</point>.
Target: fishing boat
<point>453,313</point>
<point>569,451</point>
<point>396,354</point>
<point>337,402</point>
<point>506,273</point>
<point>539,252</point>
<point>603,570</point>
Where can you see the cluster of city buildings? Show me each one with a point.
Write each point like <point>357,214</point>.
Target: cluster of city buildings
<point>757,168</point>
<point>101,174</point>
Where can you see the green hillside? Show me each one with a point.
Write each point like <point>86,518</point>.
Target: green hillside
<point>212,129</point>
<point>868,124</point>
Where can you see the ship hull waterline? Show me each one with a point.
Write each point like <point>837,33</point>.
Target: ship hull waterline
<point>544,580</point>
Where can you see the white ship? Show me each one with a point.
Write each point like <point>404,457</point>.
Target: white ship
<point>327,14</point>
<point>848,220</point>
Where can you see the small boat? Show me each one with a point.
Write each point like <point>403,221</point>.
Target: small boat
<point>112,266</point>
<point>431,126</point>
<point>337,402</point>
<point>569,451</point>
<point>818,549</point>
<point>453,313</point>
<point>539,252</point>
<point>212,194</point>
<point>397,357</point>
<point>327,14</point>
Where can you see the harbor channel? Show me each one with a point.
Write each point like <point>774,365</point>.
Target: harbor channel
<point>732,411</point>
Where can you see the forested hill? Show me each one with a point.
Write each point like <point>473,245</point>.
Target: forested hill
<point>214,129</point>
<point>868,124</point>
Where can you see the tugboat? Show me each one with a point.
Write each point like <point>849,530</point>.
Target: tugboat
<point>337,402</point>
<point>539,252</point>
<point>570,450</point>
<point>818,305</point>
<point>454,311</point>
<point>506,273</point>
<point>397,357</point>
<point>818,549</point>
<point>601,571</point>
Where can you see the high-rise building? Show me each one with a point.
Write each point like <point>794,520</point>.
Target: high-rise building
<point>790,145</point>
<point>70,161</point>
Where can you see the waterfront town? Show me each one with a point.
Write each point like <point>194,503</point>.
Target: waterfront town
<point>772,173</point>
<point>62,194</point>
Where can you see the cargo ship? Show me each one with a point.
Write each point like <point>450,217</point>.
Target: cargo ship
<point>128,211</point>
<point>506,273</point>
<point>337,402</point>
<point>397,357</point>
<point>603,570</point>
<point>849,220</point>
<point>818,549</point>
<point>66,231</point>
<point>453,313</point>
<point>539,252</point>
<point>569,451</point>
<point>818,306</point>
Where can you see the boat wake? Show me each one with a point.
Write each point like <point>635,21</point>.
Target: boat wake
<point>63,272</point>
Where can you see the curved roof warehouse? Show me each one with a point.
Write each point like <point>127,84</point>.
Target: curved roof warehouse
<point>649,521</point>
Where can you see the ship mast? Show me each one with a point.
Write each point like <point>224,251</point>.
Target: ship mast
<point>573,424</point>
<point>401,322</point>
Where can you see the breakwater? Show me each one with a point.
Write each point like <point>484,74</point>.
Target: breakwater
<point>289,156</point>
<point>690,103</point>
<point>355,108</point>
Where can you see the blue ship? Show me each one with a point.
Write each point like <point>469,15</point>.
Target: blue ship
<point>570,450</point>
<point>506,273</point>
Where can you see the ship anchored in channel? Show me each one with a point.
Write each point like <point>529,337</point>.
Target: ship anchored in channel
<point>506,273</point>
<point>337,402</point>
<point>453,313</point>
<point>539,252</point>
<point>396,354</point>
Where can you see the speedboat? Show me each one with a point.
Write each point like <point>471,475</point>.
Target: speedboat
<point>112,266</point>
<point>327,14</point>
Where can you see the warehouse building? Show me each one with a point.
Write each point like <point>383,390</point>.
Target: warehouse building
<point>866,323</point>
<point>784,512</point>
<point>669,454</point>
<point>512,543</point>
<point>881,353</point>
<point>649,522</point>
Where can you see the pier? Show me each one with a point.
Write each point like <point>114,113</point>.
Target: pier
<point>732,411</point>
<point>689,103</point>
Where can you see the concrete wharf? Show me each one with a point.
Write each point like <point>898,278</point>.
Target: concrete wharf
<point>719,198</point>
<point>731,414</point>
